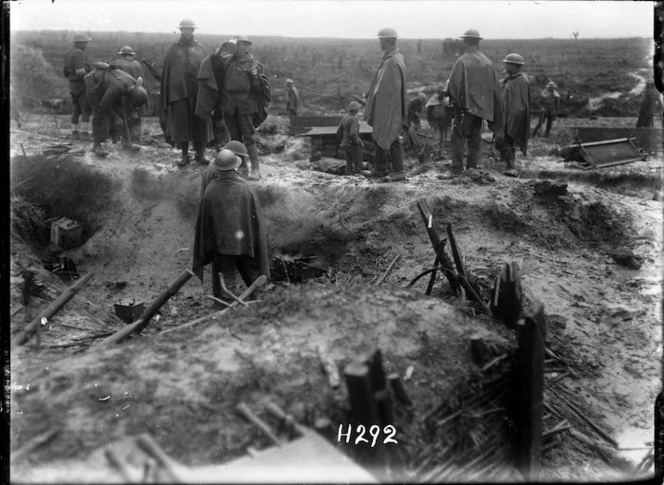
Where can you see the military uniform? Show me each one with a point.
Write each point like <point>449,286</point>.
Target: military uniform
<point>549,104</point>
<point>75,60</point>
<point>108,89</point>
<point>293,104</point>
<point>244,98</point>
<point>516,96</point>
<point>349,128</point>
<point>135,70</point>
<point>179,88</point>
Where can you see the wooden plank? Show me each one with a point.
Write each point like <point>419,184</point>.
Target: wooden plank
<point>649,139</point>
<point>530,393</point>
<point>24,335</point>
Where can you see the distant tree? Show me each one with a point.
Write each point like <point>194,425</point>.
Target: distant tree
<point>419,47</point>
<point>575,34</point>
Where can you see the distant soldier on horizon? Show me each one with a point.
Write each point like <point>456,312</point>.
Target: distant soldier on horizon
<point>293,103</point>
<point>131,66</point>
<point>75,69</point>
<point>179,88</point>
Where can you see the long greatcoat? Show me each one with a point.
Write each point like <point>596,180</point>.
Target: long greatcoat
<point>474,86</point>
<point>516,95</point>
<point>179,81</point>
<point>387,109</point>
<point>230,221</point>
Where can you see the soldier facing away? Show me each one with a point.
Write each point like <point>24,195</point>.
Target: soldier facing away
<point>179,88</point>
<point>475,94</point>
<point>293,103</point>
<point>76,67</point>
<point>516,96</point>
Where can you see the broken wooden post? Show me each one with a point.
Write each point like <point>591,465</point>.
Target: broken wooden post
<point>438,245</point>
<point>24,335</point>
<point>243,410</point>
<point>379,388</point>
<point>531,334</point>
<point>143,321</point>
<point>360,395</point>
<point>398,390</point>
<point>507,296</point>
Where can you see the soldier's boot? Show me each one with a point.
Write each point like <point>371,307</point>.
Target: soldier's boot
<point>200,159</point>
<point>184,160</point>
<point>84,130</point>
<point>98,150</point>
<point>75,134</point>
<point>255,166</point>
<point>129,146</point>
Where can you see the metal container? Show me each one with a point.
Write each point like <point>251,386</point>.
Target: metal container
<point>129,312</point>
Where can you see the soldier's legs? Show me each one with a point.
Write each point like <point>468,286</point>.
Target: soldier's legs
<point>549,122</point>
<point>246,128</point>
<point>349,160</point>
<point>75,115</point>
<point>380,160</point>
<point>539,124</point>
<point>396,155</point>
<point>474,140</point>
<point>135,125</point>
<point>507,150</point>
<point>249,268</point>
<point>458,142</point>
<point>356,159</point>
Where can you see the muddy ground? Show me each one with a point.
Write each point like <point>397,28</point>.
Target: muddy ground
<point>604,319</point>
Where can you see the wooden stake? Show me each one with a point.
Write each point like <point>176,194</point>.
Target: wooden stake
<point>398,389</point>
<point>244,411</point>
<point>531,335</point>
<point>387,271</point>
<point>115,460</point>
<point>360,395</point>
<point>24,335</point>
<point>35,442</point>
<point>147,315</point>
<point>150,446</point>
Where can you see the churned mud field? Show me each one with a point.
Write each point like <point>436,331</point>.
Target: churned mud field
<point>588,244</point>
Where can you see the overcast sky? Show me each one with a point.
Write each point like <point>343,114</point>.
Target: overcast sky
<point>432,19</point>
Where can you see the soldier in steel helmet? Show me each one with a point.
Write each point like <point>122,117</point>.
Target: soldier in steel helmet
<point>386,110</point>
<point>211,172</point>
<point>349,129</point>
<point>128,63</point>
<point>549,100</point>
<point>516,97</point>
<point>115,95</point>
<point>245,95</point>
<point>230,228</point>
<point>179,88</point>
<point>75,69</point>
<point>475,95</point>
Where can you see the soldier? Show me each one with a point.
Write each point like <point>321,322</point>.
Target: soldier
<point>245,95</point>
<point>349,129</point>
<point>415,107</point>
<point>230,228</point>
<point>474,93</point>
<point>549,104</point>
<point>115,95</point>
<point>516,96</point>
<point>130,65</point>
<point>386,109</point>
<point>179,88</point>
<point>293,98</point>
<point>76,67</point>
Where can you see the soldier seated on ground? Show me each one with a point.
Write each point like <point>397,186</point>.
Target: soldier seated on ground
<point>113,94</point>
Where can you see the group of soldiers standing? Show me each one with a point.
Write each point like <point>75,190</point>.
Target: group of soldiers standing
<point>227,90</point>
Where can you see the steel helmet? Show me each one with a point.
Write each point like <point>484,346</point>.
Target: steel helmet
<point>226,160</point>
<point>236,147</point>
<point>81,38</point>
<point>551,84</point>
<point>139,96</point>
<point>387,33</point>
<point>187,24</point>
<point>353,105</point>
<point>126,50</point>
<point>290,81</point>
<point>241,38</point>
<point>422,95</point>
<point>471,33</point>
<point>513,59</point>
